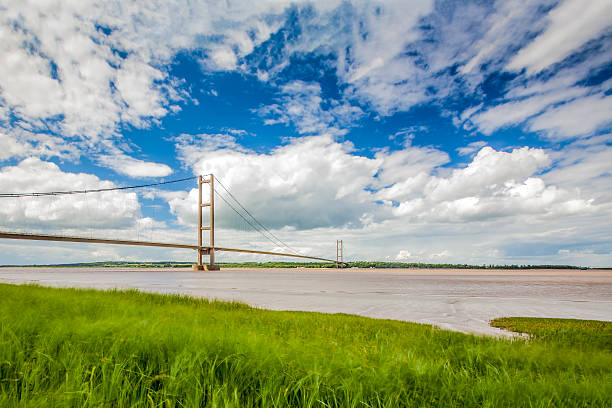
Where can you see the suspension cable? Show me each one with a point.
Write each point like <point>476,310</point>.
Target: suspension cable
<point>257,227</point>
<point>53,193</point>
<point>255,219</point>
<point>243,217</point>
<point>278,242</point>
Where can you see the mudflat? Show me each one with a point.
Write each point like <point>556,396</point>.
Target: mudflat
<point>456,299</point>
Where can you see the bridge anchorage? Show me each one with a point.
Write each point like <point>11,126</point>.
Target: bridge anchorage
<point>200,248</point>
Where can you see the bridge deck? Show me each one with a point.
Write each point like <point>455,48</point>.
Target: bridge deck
<point>62,238</point>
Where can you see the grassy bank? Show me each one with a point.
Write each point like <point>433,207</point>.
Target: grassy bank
<point>68,347</point>
<point>582,334</point>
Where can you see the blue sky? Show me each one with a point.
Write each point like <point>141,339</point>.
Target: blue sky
<point>421,131</point>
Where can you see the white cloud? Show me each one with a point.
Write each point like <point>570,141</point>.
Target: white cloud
<point>301,104</point>
<point>495,184</point>
<point>83,68</point>
<point>504,27</point>
<point>580,117</point>
<point>584,166</point>
<point>403,255</point>
<point>135,82</point>
<point>471,148</point>
<point>516,112</point>
<point>223,58</point>
<point>315,181</point>
<point>319,181</point>
<point>407,165</point>
<point>440,256</point>
<point>61,73</point>
<point>53,67</point>
<point>423,256</point>
<point>555,106</point>
<point>572,23</point>
<point>489,168</point>
<point>22,143</point>
<point>107,210</point>
<point>366,42</point>
<point>132,167</point>
<point>10,147</point>
<point>376,64</point>
<point>42,253</point>
<point>298,179</point>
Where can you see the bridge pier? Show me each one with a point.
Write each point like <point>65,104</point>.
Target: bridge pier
<point>205,267</point>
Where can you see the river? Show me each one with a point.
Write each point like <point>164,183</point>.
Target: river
<point>461,300</point>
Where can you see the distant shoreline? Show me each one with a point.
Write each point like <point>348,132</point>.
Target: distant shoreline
<point>359,264</point>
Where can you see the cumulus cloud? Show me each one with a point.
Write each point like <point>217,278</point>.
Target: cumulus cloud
<point>422,256</point>
<point>524,202</point>
<point>132,167</point>
<point>489,168</point>
<point>297,179</point>
<point>495,184</point>
<point>316,182</point>
<point>107,210</point>
<point>475,214</point>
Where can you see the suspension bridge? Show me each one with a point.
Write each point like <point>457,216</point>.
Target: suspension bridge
<point>201,249</point>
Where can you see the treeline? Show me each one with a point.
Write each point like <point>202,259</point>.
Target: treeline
<point>381,264</point>
<point>113,264</point>
<point>279,264</point>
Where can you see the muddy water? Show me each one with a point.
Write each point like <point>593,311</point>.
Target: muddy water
<point>462,300</point>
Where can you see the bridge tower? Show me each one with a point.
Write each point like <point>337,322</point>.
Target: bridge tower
<point>210,250</point>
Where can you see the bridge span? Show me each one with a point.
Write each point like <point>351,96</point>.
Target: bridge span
<point>204,250</point>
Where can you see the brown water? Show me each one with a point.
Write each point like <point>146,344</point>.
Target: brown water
<point>462,300</point>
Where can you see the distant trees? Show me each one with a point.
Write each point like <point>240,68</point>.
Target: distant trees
<point>281,264</point>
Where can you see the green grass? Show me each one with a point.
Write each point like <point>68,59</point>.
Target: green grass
<point>582,334</point>
<point>69,347</point>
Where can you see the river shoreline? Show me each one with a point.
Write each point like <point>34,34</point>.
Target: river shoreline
<point>463,300</point>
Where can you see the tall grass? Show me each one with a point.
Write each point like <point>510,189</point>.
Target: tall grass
<point>69,348</point>
<point>582,334</point>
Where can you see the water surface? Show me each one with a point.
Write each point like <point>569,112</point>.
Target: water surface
<point>455,299</point>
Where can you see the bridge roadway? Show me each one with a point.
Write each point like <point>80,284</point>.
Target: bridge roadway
<point>62,238</point>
